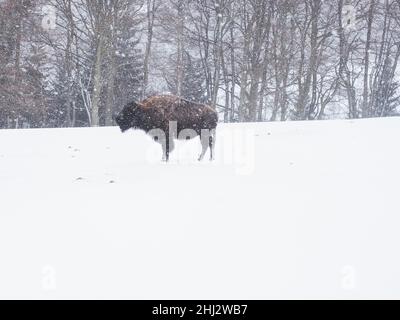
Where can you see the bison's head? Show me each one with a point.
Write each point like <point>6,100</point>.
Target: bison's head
<point>127,118</point>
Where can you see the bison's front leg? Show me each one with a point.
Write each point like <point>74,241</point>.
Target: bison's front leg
<point>160,137</point>
<point>167,146</point>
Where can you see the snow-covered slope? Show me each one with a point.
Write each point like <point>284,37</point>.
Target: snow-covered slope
<point>287,210</point>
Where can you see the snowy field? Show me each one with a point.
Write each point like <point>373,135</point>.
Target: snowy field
<point>287,210</point>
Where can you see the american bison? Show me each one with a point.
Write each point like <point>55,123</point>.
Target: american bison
<point>167,117</point>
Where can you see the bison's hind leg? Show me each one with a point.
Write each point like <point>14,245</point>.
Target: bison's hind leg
<point>211,142</point>
<point>207,139</point>
<point>204,146</point>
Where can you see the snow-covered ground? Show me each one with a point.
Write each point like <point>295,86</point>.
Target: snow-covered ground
<point>287,210</point>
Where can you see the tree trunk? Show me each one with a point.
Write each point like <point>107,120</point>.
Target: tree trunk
<point>365,111</point>
<point>18,41</point>
<point>180,50</point>
<point>344,73</point>
<point>110,90</point>
<point>97,82</point>
<point>233,72</point>
<point>151,7</point>
<point>217,55</point>
<point>68,64</point>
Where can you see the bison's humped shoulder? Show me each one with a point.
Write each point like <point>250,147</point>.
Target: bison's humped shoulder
<point>161,101</point>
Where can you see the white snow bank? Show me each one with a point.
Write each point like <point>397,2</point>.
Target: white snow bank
<point>287,210</point>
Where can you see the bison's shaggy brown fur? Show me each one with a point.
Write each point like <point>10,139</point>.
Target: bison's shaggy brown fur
<point>167,117</point>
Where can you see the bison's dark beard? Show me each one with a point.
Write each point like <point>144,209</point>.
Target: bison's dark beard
<point>124,128</point>
<point>123,124</point>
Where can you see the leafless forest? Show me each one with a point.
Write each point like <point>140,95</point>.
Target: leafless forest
<point>67,63</point>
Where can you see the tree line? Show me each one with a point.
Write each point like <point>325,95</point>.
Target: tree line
<point>66,63</point>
